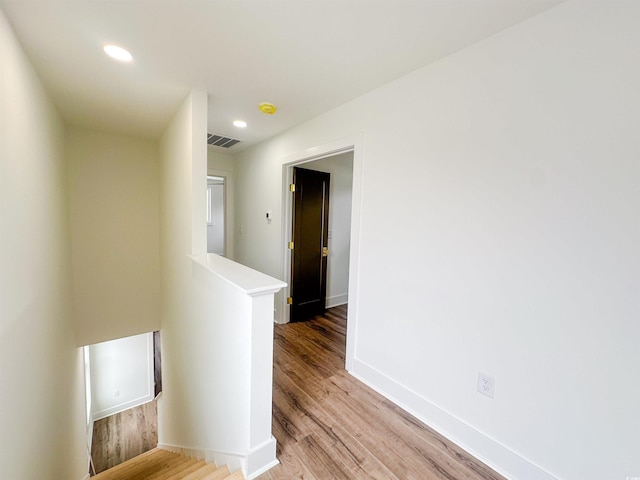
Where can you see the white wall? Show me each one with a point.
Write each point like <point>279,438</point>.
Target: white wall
<point>215,339</point>
<point>121,374</point>
<point>510,244</point>
<point>42,415</point>
<point>341,169</point>
<point>184,412</point>
<point>114,195</point>
<point>219,161</point>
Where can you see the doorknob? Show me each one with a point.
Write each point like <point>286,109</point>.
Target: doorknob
<point>325,252</point>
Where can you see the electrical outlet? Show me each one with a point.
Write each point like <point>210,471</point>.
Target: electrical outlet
<point>116,393</point>
<point>486,384</point>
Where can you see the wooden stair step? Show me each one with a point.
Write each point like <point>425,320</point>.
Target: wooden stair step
<point>158,468</point>
<point>202,473</point>
<point>219,474</point>
<point>186,466</point>
<point>237,475</point>
<point>158,464</point>
<point>133,466</point>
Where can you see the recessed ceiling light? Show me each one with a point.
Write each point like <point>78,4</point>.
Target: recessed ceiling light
<point>240,123</point>
<point>118,53</point>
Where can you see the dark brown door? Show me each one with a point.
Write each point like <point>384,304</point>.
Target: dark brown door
<point>310,235</point>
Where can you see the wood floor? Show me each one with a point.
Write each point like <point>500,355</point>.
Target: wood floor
<point>124,435</point>
<point>330,426</point>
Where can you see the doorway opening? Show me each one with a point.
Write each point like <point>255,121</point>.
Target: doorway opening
<point>340,253</point>
<point>216,218</point>
<point>309,243</point>
<point>123,379</point>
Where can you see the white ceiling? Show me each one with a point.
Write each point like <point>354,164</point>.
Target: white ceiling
<point>305,56</point>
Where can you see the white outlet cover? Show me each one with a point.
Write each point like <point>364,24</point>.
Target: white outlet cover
<point>486,384</point>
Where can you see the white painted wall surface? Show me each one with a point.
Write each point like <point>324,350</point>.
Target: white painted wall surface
<point>180,369</point>
<point>518,219</point>
<point>341,169</point>
<point>42,414</point>
<point>121,374</point>
<point>219,161</point>
<point>114,197</point>
<point>207,334</point>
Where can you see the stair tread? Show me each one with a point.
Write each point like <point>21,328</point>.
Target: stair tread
<point>186,466</point>
<point>202,472</point>
<point>133,466</point>
<point>237,475</point>
<point>158,464</point>
<point>220,474</point>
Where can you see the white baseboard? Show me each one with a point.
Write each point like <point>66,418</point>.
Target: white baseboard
<point>254,463</point>
<point>122,407</point>
<point>495,455</point>
<point>261,458</point>
<point>337,300</point>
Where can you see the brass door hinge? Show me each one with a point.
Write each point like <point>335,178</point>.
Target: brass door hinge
<point>290,245</point>
<point>290,300</point>
<point>292,187</point>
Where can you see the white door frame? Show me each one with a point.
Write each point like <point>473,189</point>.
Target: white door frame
<point>349,144</point>
<point>229,222</point>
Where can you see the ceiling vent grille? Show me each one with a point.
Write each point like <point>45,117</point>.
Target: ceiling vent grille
<point>221,141</point>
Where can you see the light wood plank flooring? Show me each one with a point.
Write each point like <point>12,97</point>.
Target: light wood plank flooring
<point>331,426</point>
<point>160,464</point>
<point>124,435</point>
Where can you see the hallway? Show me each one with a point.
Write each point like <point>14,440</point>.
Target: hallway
<point>331,426</point>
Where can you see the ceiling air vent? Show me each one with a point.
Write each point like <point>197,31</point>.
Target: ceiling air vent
<point>221,141</point>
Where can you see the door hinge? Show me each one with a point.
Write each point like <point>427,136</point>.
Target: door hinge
<point>290,300</point>
<point>292,187</point>
<point>290,245</point>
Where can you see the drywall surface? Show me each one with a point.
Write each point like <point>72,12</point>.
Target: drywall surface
<point>42,414</point>
<point>219,161</point>
<point>209,343</point>
<point>340,190</point>
<point>121,374</point>
<point>509,247</point>
<point>188,416</point>
<point>114,195</point>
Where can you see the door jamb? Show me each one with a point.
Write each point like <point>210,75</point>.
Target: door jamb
<point>229,226</point>
<point>351,144</point>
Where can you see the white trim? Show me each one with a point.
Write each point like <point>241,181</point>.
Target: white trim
<point>353,144</point>
<point>209,210</point>
<point>229,218</point>
<point>489,451</point>
<point>264,469</point>
<point>123,406</point>
<point>245,279</point>
<point>261,458</point>
<point>337,300</point>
